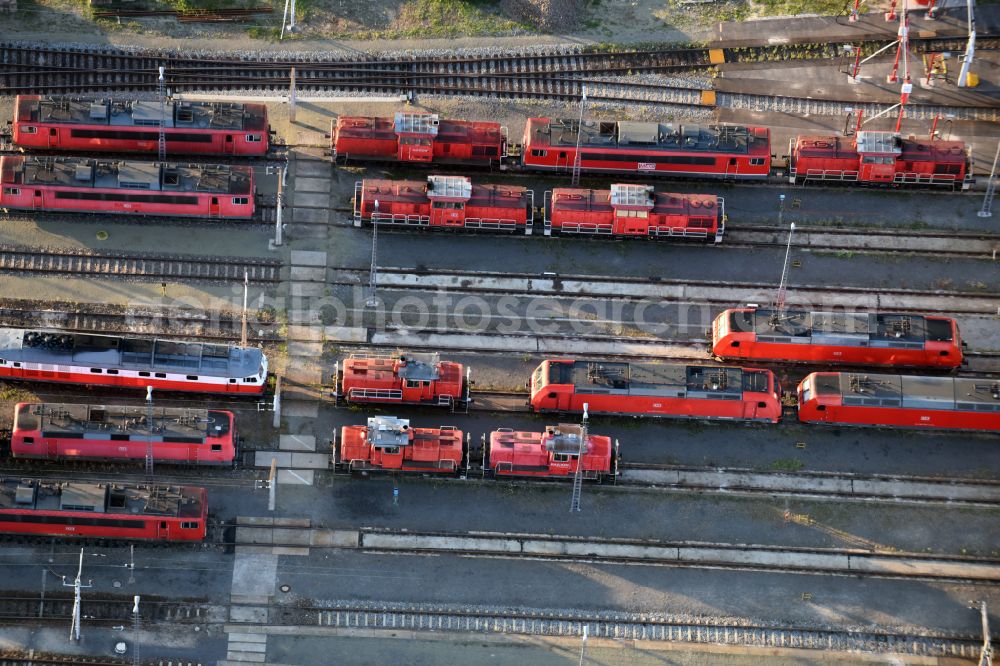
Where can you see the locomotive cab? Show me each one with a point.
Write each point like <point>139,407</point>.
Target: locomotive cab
<point>878,152</point>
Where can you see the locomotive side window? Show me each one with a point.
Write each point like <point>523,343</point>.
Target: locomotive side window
<point>762,405</point>
<point>756,161</point>
<point>12,190</point>
<point>112,371</point>
<point>143,373</point>
<point>241,201</point>
<point>253,138</point>
<point>539,153</point>
<point>192,378</point>
<point>96,371</point>
<point>161,375</point>
<point>52,131</point>
<point>216,447</point>
<point>29,130</point>
<point>28,440</point>
<point>186,525</point>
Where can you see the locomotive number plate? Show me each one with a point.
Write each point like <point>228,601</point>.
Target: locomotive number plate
<point>647,166</point>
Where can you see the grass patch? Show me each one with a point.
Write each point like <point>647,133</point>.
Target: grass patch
<point>787,465</point>
<point>785,7</point>
<point>445,18</point>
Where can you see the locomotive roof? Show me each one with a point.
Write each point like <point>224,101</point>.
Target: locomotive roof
<point>663,379</point>
<point>565,438</point>
<point>106,498</point>
<point>664,203</point>
<point>447,131</point>
<point>108,351</point>
<point>735,139</point>
<point>188,115</point>
<point>81,172</point>
<point>100,422</point>
<point>881,143</point>
<point>449,187</point>
<point>388,431</point>
<point>911,391</point>
<point>415,192</point>
<point>846,326</point>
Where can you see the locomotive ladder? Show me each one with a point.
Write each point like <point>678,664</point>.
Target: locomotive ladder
<point>574,502</point>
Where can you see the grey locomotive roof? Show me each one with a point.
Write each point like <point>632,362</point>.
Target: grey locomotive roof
<point>879,142</point>
<point>912,391</point>
<point>106,351</point>
<point>99,422</point>
<point>191,115</point>
<point>883,329</point>
<point>420,367</point>
<point>104,498</point>
<point>388,432</point>
<point>629,134</point>
<point>145,176</point>
<point>658,379</point>
<point>565,439</point>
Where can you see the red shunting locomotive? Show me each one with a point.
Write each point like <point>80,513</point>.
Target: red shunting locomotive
<point>418,137</point>
<point>417,379</point>
<point>120,433</point>
<point>103,510</point>
<point>81,185</point>
<point>444,202</point>
<point>387,443</point>
<point>554,453</point>
<point>656,389</point>
<point>103,125</point>
<point>635,211</point>
<point>879,158</point>
<point>901,401</point>
<point>713,151</point>
<point>900,340</point>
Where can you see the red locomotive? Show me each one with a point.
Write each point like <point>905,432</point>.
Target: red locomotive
<point>958,403</point>
<point>419,379</point>
<point>715,151</point>
<point>656,389</point>
<point>879,158</point>
<point>103,125</point>
<point>418,137</point>
<point>103,510</point>
<point>444,202</point>
<point>554,453</point>
<point>119,433</point>
<point>82,185</point>
<point>756,334</point>
<point>107,360</point>
<point>390,444</point>
<point>635,211</point>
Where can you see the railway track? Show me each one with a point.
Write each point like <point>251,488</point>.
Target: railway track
<point>638,289</point>
<point>57,607</point>
<point>559,76</point>
<point>938,244</point>
<point>221,326</point>
<point>137,266</point>
<point>625,626</point>
<point>816,561</point>
<point>571,624</point>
